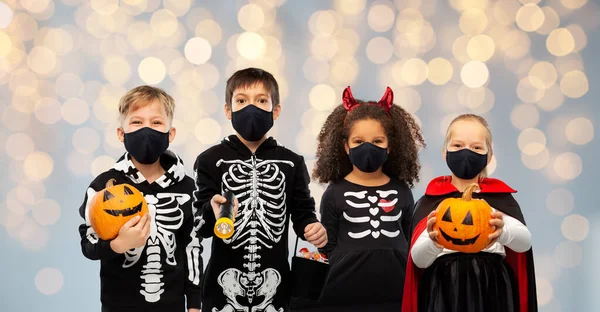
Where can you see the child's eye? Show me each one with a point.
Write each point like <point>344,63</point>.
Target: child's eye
<point>456,145</point>
<point>358,141</point>
<point>158,122</point>
<point>136,122</point>
<point>262,101</point>
<point>241,101</point>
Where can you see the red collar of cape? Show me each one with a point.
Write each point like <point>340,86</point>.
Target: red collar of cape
<point>443,186</point>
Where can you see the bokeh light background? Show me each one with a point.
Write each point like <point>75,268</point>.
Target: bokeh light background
<point>528,66</point>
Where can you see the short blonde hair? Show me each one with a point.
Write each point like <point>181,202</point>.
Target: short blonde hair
<point>142,96</point>
<point>488,134</point>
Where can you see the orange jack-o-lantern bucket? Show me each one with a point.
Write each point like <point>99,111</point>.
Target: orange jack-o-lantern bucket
<point>463,224</point>
<point>114,206</point>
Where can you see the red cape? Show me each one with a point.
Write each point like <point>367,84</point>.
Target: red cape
<point>521,263</point>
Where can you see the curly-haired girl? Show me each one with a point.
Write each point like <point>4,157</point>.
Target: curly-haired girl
<point>368,152</point>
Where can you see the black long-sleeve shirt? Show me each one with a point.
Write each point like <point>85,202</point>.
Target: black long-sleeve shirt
<point>165,272</point>
<point>251,269</point>
<point>367,230</point>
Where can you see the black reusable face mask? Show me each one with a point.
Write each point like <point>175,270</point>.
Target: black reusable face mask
<point>368,157</point>
<point>146,145</point>
<point>252,123</point>
<point>466,164</point>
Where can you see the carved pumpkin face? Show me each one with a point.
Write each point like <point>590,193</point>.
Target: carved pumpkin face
<point>114,206</point>
<point>463,223</point>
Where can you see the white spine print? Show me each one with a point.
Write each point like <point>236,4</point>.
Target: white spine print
<point>151,274</point>
<point>259,186</point>
<point>166,218</point>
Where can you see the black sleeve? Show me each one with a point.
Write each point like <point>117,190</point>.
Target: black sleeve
<point>207,186</point>
<point>407,212</point>
<point>330,217</point>
<point>303,205</point>
<point>92,246</point>
<point>192,242</point>
<point>506,203</point>
<point>423,207</point>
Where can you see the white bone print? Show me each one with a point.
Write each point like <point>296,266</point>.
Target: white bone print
<point>166,217</point>
<point>259,186</point>
<point>385,194</point>
<point>374,222</point>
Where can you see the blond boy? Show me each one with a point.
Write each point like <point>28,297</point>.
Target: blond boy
<point>153,264</point>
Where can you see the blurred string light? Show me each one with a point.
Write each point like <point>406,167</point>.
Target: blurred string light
<point>333,63</point>
<point>542,85</point>
<point>173,42</point>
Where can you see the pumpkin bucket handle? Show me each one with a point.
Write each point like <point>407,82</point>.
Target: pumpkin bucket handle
<point>110,183</point>
<point>468,193</point>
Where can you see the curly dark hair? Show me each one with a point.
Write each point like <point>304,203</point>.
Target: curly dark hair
<point>404,137</point>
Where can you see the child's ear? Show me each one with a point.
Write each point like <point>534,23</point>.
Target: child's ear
<point>276,112</point>
<point>172,134</point>
<point>227,110</point>
<point>444,151</point>
<point>346,147</point>
<point>490,154</point>
<point>121,134</point>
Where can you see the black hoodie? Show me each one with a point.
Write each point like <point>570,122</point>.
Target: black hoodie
<point>250,271</point>
<point>160,275</point>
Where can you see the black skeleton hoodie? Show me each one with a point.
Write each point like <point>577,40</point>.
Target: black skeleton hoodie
<point>250,270</point>
<point>162,274</point>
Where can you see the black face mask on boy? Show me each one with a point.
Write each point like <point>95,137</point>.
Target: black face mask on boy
<point>368,157</point>
<point>466,164</point>
<point>252,123</point>
<point>146,145</point>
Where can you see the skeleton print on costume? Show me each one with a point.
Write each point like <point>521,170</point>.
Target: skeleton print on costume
<point>165,273</point>
<point>260,187</point>
<point>373,212</point>
<point>166,217</point>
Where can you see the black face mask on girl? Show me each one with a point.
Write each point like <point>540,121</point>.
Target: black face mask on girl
<point>466,164</point>
<point>368,157</point>
<point>252,123</point>
<point>146,145</point>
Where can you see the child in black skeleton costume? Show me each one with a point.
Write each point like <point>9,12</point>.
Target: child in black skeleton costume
<point>154,263</point>
<point>250,271</point>
<point>368,152</point>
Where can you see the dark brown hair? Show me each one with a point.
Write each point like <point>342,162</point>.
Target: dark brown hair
<point>248,77</point>
<point>404,137</point>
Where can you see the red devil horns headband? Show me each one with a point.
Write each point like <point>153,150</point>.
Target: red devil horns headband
<point>386,101</point>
